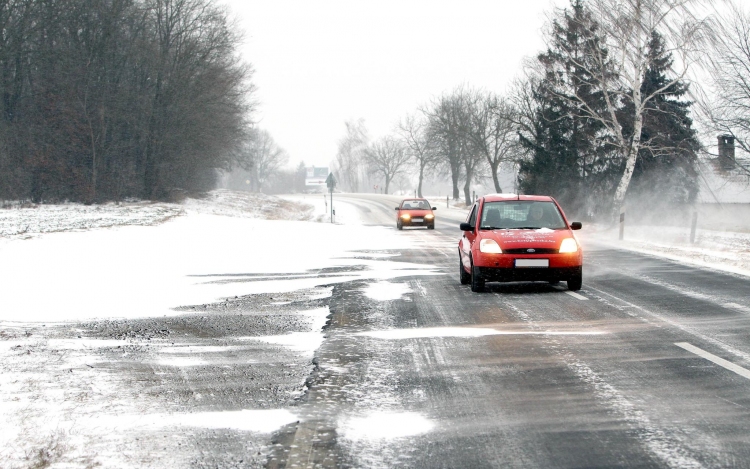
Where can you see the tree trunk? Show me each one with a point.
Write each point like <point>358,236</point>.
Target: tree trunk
<point>421,176</point>
<point>495,180</point>
<point>467,189</point>
<point>454,180</point>
<point>622,187</point>
<point>387,183</point>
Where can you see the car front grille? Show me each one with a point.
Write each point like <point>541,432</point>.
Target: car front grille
<point>530,251</point>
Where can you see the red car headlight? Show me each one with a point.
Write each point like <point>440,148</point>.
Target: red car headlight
<point>489,246</point>
<point>568,245</point>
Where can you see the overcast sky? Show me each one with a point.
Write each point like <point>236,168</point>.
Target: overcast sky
<point>320,63</point>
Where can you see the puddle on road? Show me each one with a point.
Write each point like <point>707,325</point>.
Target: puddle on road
<point>436,332</point>
<point>385,426</point>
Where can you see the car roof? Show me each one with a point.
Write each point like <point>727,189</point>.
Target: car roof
<point>404,200</point>
<point>504,197</point>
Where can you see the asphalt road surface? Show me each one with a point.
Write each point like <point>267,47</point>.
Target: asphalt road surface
<point>646,366</point>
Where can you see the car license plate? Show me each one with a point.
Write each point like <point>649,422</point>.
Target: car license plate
<point>418,220</point>
<point>532,262</point>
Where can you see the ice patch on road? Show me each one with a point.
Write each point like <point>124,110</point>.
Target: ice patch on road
<point>384,291</point>
<point>436,332</point>
<point>385,426</point>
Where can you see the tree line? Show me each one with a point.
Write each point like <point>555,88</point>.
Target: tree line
<point>605,114</point>
<point>108,99</point>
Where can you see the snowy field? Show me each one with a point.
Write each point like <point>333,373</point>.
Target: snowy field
<point>728,251</point>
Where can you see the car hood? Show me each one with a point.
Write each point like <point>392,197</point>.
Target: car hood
<point>516,239</point>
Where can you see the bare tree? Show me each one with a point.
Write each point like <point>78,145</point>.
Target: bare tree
<point>349,158</point>
<point>261,157</point>
<point>447,118</point>
<point>729,65</point>
<point>421,147</point>
<point>386,157</point>
<point>492,131</point>
<point>616,63</point>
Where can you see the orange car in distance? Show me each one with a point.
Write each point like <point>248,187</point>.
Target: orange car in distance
<point>415,212</point>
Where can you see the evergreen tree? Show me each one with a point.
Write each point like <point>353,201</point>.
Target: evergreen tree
<point>665,171</point>
<point>567,148</point>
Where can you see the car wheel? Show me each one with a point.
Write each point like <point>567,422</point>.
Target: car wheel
<point>465,276</point>
<point>430,227</point>
<point>477,282</point>
<point>574,283</point>
<point>399,225</point>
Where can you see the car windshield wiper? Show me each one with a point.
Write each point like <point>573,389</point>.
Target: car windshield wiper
<point>527,227</point>
<point>491,228</point>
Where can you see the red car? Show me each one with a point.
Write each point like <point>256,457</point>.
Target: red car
<point>510,237</point>
<point>415,212</point>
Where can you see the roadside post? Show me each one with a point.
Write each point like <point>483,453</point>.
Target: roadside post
<point>622,224</point>
<point>693,224</point>
<point>446,202</point>
<point>331,183</point>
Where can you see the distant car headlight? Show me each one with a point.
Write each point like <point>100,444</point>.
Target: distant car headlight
<point>406,216</point>
<point>490,246</point>
<point>429,217</point>
<point>569,245</point>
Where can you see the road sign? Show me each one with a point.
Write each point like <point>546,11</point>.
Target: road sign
<point>315,176</point>
<point>330,182</point>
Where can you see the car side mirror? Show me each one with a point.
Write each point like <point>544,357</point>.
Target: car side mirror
<point>398,208</point>
<point>576,225</point>
<point>466,227</point>
<point>434,208</point>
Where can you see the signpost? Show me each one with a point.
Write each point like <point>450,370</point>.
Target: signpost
<point>331,183</point>
<point>315,176</point>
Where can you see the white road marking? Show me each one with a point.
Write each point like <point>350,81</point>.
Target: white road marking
<point>713,358</point>
<point>576,295</point>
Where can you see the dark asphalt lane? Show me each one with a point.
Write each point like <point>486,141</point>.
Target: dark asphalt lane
<point>527,375</point>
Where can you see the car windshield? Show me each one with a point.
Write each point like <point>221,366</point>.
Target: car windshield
<point>415,205</point>
<point>509,215</point>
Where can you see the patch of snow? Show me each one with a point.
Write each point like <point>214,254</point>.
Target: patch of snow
<point>385,426</point>
<point>197,258</point>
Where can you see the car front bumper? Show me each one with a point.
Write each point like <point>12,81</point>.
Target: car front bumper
<point>515,274</point>
<point>424,222</point>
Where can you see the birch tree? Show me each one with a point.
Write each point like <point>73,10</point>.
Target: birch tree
<point>618,60</point>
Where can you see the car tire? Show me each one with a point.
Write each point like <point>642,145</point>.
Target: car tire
<point>430,227</point>
<point>574,283</point>
<point>463,274</point>
<point>477,282</point>
<point>399,225</point>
